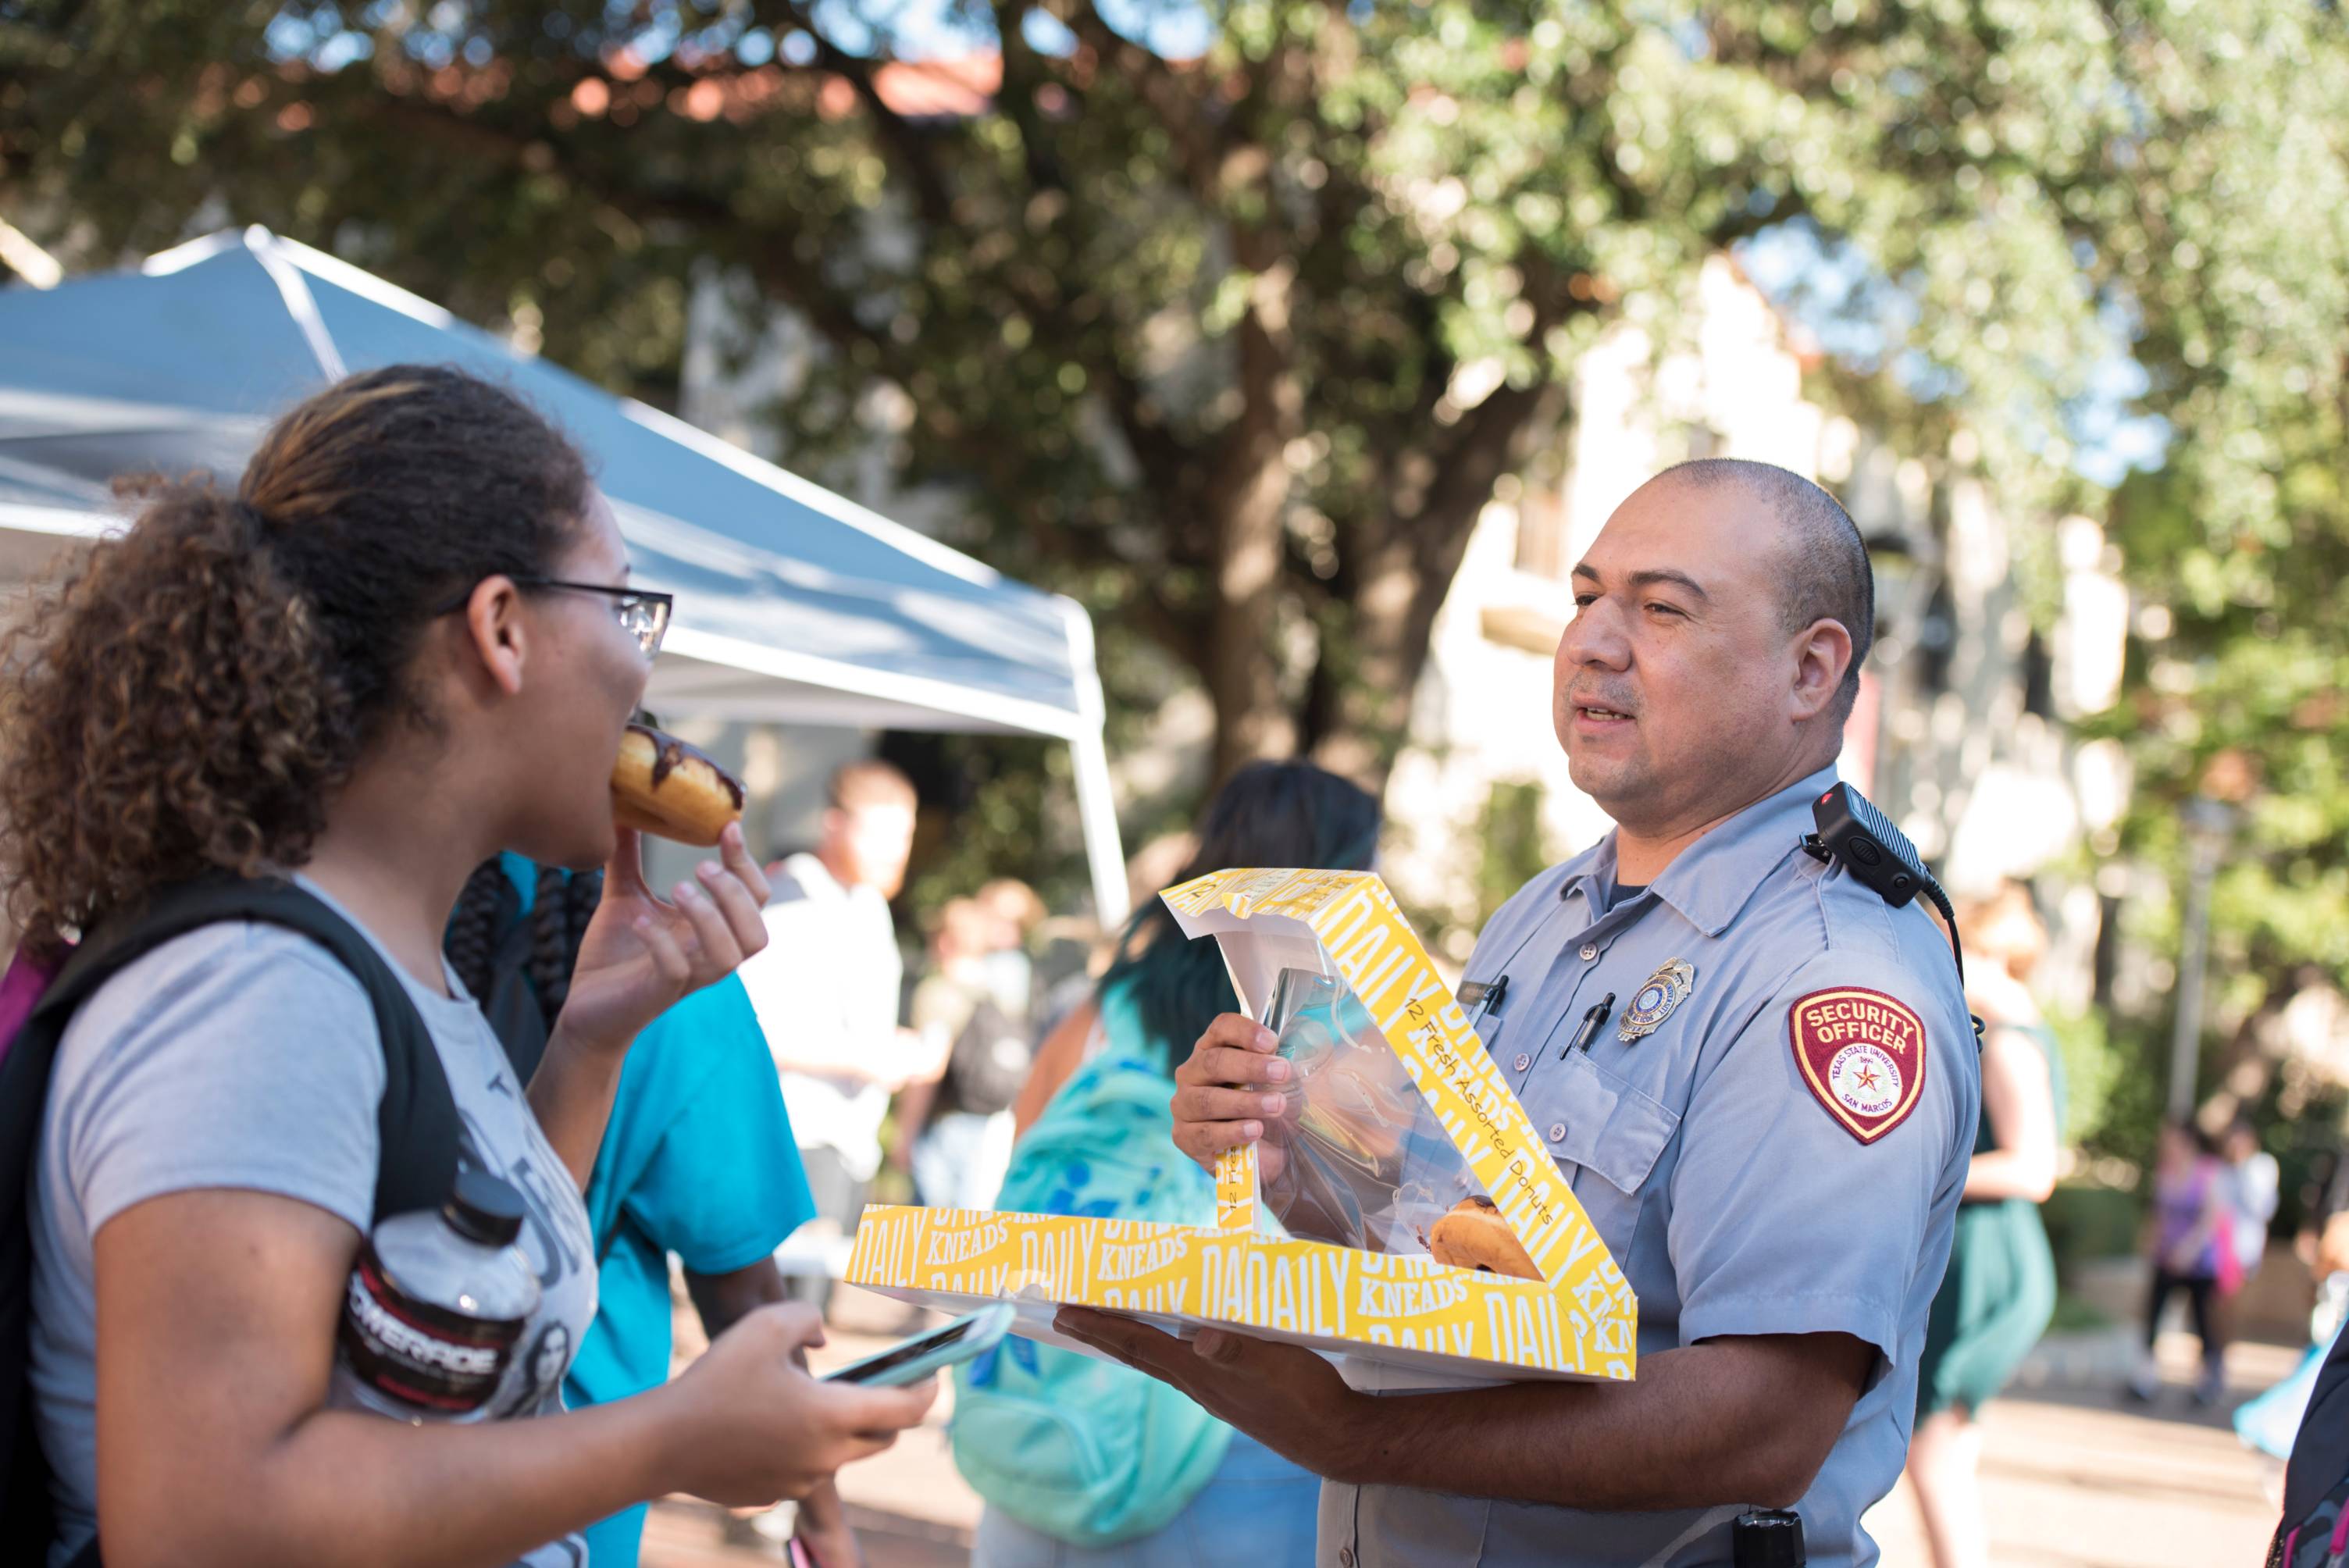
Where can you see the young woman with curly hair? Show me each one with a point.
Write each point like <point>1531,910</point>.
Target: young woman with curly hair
<point>404,644</point>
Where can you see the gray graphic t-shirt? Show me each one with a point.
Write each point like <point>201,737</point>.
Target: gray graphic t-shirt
<point>246,1057</point>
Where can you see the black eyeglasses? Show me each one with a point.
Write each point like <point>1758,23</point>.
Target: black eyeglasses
<point>643,614</point>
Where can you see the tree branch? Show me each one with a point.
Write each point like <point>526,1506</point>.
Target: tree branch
<point>1023,74</point>
<point>1182,633</point>
<point>911,148</point>
<point>1185,115</point>
<point>1486,441</point>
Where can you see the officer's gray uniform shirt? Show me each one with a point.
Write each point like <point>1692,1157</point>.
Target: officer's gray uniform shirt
<point>1737,1198</point>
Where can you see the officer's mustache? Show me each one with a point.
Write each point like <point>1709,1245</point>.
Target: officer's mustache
<point>1614,699</point>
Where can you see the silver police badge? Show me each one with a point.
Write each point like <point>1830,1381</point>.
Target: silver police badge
<point>1654,1001</point>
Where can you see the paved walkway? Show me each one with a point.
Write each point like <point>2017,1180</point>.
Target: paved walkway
<point>2075,1474</point>
<point>2082,1476</point>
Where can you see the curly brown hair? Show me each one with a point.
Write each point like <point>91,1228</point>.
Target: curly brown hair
<point>194,693</point>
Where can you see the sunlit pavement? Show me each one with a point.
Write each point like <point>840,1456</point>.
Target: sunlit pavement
<point>2075,1473</point>
<point>2085,1475</point>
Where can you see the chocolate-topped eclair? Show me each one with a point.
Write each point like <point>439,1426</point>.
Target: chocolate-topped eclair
<point>661,785</point>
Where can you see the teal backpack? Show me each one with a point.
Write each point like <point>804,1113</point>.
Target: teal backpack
<point>1087,1452</point>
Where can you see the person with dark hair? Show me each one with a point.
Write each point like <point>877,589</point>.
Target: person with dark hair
<point>513,940</point>
<point>406,642</point>
<point>1756,1074</point>
<point>826,991</point>
<point>1268,814</point>
<point>1150,1481</point>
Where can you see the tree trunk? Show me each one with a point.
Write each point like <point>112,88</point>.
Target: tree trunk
<point>1247,500</point>
<point>1377,652</point>
<point>1404,575</point>
<point>1242,674</point>
<point>2249,1059</point>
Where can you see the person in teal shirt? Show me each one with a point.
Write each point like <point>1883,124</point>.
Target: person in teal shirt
<point>698,1160</point>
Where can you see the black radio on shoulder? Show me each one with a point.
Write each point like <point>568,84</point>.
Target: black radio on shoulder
<point>1854,834</point>
<point>1870,848</point>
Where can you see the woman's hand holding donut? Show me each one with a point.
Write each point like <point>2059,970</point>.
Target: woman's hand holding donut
<point>643,954</point>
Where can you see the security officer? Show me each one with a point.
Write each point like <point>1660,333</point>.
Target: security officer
<point>1759,1077</point>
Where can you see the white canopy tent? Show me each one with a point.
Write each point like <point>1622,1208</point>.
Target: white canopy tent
<point>795,605</point>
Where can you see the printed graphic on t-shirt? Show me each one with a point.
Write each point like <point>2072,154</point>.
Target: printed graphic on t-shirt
<point>555,1239</point>
<point>533,1381</point>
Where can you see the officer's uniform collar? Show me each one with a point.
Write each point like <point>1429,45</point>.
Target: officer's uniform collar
<point>1711,881</point>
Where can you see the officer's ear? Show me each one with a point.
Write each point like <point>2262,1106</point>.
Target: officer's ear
<point>1821,652</point>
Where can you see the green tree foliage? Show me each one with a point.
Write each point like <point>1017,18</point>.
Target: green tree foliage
<point>1511,845</point>
<point>2163,168</point>
<point>1235,347</point>
<point>2230,254</point>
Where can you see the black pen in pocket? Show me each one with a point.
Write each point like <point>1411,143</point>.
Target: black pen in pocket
<point>1592,1022</point>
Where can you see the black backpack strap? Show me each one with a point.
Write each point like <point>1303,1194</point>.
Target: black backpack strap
<point>417,1122</point>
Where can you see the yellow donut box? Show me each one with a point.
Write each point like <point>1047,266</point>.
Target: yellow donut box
<point>1407,1312</point>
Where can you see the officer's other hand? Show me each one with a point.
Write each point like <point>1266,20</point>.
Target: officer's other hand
<point>1220,1094</point>
<point>1287,1397</point>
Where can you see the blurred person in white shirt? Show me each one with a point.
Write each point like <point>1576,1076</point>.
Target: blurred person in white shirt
<point>826,987</point>
<point>2255,1183</point>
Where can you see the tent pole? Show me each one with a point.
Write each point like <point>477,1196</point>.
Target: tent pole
<point>1096,803</point>
<point>1097,808</point>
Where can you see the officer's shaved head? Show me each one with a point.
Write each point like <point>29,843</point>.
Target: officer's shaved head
<point>1823,570</point>
<point>1719,616</point>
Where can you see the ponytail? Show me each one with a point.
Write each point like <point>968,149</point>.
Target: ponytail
<point>171,710</point>
<point>560,910</point>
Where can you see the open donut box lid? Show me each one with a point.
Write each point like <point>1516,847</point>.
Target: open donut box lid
<point>1427,1322</point>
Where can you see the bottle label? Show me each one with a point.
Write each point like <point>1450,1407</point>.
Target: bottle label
<point>439,1362</point>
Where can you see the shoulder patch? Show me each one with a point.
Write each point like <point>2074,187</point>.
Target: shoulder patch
<point>1862,1054</point>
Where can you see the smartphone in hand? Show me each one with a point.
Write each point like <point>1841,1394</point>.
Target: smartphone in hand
<point>971,1336</point>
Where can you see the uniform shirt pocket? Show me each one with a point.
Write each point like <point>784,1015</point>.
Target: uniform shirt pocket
<point>1606,1135</point>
